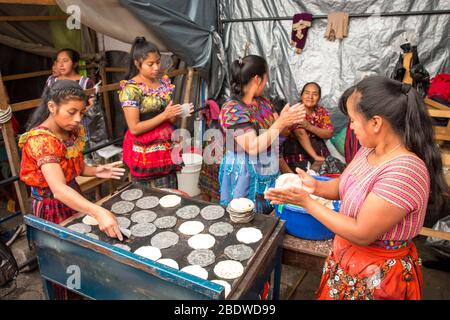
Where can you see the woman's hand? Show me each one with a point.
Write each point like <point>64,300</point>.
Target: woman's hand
<point>172,111</point>
<point>291,195</point>
<point>292,115</point>
<point>309,184</point>
<point>110,171</point>
<point>107,223</point>
<point>305,125</point>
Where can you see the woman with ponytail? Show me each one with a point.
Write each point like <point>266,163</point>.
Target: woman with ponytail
<point>146,100</point>
<point>251,126</point>
<point>384,194</point>
<point>52,157</point>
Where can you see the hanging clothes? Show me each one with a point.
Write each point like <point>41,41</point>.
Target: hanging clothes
<point>337,27</point>
<point>300,25</point>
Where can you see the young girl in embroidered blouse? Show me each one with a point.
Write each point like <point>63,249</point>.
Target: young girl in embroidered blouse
<point>146,99</point>
<point>52,157</point>
<point>384,194</point>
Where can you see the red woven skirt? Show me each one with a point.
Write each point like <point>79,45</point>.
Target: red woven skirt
<point>153,153</point>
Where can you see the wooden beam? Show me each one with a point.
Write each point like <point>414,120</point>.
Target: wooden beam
<point>439,113</point>
<point>187,93</point>
<point>34,2</point>
<point>107,104</point>
<point>27,75</point>
<point>435,104</point>
<point>13,153</point>
<point>435,234</point>
<point>31,18</point>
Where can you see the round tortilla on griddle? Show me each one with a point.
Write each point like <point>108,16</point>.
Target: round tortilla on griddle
<point>169,262</point>
<point>143,216</point>
<point>165,222</point>
<point>212,212</point>
<point>80,228</point>
<point>249,235</point>
<point>142,229</point>
<point>191,228</point>
<point>229,269</point>
<point>122,207</point>
<point>170,201</point>
<point>188,212</point>
<point>220,229</point>
<point>122,246</point>
<point>196,271</point>
<point>93,236</point>
<point>147,202</point>
<point>239,252</point>
<point>201,257</point>
<point>123,222</point>
<point>149,252</point>
<point>164,240</point>
<point>90,221</point>
<point>132,194</point>
<point>201,241</point>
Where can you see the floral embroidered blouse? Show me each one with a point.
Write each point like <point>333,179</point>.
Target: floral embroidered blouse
<point>41,146</point>
<point>139,95</point>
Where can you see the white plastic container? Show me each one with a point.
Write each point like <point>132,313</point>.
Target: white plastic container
<point>189,175</point>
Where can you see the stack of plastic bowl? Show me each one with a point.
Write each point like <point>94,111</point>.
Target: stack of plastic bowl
<point>241,210</point>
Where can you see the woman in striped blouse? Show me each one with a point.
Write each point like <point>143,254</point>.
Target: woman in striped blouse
<point>384,194</point>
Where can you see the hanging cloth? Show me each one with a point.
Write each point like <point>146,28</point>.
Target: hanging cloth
<point>300,24</point>
<point>337,27</point>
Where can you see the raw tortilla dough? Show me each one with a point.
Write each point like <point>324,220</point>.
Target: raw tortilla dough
<point>201,241</point>
<point>169,262</point>
<point>212,212</point>
<point>143,216</point>
<point>90,221</point>
<point>191,228</point>
<point>202,257</point>
<point>142,229</point>
<point>288,180</point>
<point>122,207</point>
<point>147,202</point>
<point>170,201</point>
<point>239,252</point>
<point>188,212</point>
<point>249,235</point>
<point>149,252</point>
<point>220,229</point>
<point>164,240</point>
<point>165,222</point>
<point>229,269</point>
<point>196,271</point>
<point>132,194</point>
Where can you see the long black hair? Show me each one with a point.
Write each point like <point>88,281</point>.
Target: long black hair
<point>342,104</point>
<point>73,55</point>
<point>60,92</point>
<point>402,107</point>
<point>313,83</point>
<point>243,70</point>
<point>139,51</point>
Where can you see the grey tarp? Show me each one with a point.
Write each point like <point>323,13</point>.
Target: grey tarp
<point>372,45</point>
<point>187,29</point>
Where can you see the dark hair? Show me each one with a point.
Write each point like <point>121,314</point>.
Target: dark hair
<point>139,51</point>
<point>73,55</point>
<point>402,107</point>
<point>60,92</point>
<point>243,70</point>
<point>342,104</point>
<point>307,84</point>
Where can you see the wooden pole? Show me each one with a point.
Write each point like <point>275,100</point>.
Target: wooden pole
<point>13,153</point>
<point>106,102</point>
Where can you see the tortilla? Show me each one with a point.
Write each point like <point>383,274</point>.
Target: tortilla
<point>202,257</point>
<point>191,228</point>
<point>165,222</point>
<point>93,236</point>
<point>188,212</point>
<point>170,201</point>
<point>212,212</point>
<point>242,205</point>
<point>239,252</point>
<point>142,229</point>
<point>169,262</point>
<point>80,228</point>
<point>224,284</point>
<point>123,222</point>
<point>220,229</point>
<point>122,207</point>
<point>201,241</point>
<point>196,271</point>
<point>149,252</point>
<point>132,194</point>
<point>143,216</point>
<point>147,202</point>
<point>90,221</point>
<point>123,246</point>
<point>229,269</point>
<point>164,240</point>
<point>249,235</point>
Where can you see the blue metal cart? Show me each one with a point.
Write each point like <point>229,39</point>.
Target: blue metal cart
<point>98,270</point>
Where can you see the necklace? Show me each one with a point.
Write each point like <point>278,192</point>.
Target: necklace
<point>392,150</point>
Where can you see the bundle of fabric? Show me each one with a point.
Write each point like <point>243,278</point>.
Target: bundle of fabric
<point>337,27</point>
<point>300,25</point>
